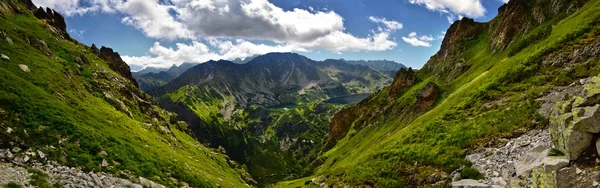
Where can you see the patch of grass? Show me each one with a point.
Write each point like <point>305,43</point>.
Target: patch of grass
<point>470,173</point>
<point>41,180</point>
<point>12,185</point>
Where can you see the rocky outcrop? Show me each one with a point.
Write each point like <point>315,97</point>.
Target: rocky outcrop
<point>54,19</point>
<point>518,17</point>
<point>575,122</point>
<point>427,96</point>
<point>116,63</point>
<point>404,79</point>
<point>447,64</point>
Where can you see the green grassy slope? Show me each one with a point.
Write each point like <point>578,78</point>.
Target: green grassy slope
<point>494,98</point>
<point>60,108</point>
<point>273,143</point>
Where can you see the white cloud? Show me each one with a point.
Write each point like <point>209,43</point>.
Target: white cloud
<point>471,8</point>
<point>230,26</point>
<point>389,24</point>
<point>199,52</point>
<point>412,34</point>
<point>415,40</point>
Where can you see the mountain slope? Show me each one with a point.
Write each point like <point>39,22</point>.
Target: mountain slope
<point>80,106</point>
<point>151,78</point>
<point>385,66</point>
<point>224,103</point>
<point>277,78</point>
<point>481,86</point>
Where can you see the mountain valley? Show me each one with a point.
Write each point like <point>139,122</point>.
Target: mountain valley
<point>512,102</point>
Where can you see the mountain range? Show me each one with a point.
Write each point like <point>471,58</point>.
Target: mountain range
<point>511,102</point>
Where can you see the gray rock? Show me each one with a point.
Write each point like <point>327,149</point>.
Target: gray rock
<point>586,119</point>
<point>552,163</point>
<point>147,183</point>
<point>104,163</point>
<point>24,68</point>
<point>9,155</point>
<point>9,41</point>
<point>469,183</point>
<point>456,177</point>
<point>533,158</point>
<point>9,130</point>
<point>4,57</point>
<point>16,150</point>
<point>97,180</point>
<point>42,155</point>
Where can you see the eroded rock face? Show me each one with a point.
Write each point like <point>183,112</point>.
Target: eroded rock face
<point>404,79</point>
<point>427,96</point>
<point>116,63</point>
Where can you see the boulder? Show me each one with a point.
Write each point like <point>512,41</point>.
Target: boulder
<point>566,138</point>
<point>587,119</point>
<point>42,155</point>
<point>149,184</point>
<point>555,163</point>
<point>533,158</point>
<point>9,40</point>
<point>469,183</point>
<point>4,57</point>
<point>24,68</point>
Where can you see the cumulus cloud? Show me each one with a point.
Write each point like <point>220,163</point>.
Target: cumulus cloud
<point>415,40</point>
<point>230,26</point>
<point>471,8</point>
<point>389,24</point>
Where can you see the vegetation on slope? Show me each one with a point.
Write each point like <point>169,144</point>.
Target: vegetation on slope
<point>485,93</point>
<point>77,110</point>
<point>272,143</point>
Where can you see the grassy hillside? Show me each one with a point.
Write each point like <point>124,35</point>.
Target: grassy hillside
<point>272,143</point>
<point>494,97</point>
<point>77,110</point>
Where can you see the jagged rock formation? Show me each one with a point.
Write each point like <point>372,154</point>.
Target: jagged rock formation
<point>116,63</point>
<point>54,19</point>
<point>151,78</point>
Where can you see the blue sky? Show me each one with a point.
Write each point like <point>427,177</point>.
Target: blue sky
<point>166,32</point>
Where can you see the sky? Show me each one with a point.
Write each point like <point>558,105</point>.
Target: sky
<point>160,33</point>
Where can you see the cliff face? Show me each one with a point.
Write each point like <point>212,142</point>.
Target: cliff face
<point>518,17</point>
